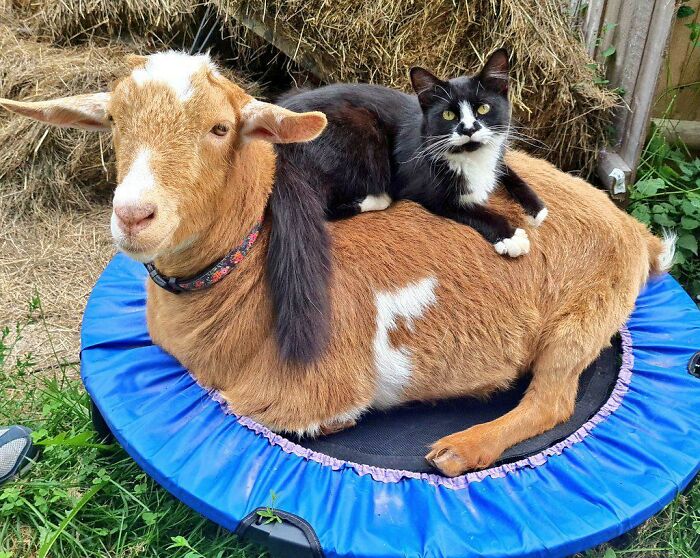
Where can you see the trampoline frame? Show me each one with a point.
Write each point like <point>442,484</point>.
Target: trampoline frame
<point>627,467</point>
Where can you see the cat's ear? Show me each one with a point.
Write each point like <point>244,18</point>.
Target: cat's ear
<point>425,84</point>
<point>494,75</point>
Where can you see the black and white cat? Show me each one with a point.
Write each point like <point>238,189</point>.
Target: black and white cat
<point>442,148</point>
<point>449,156</point>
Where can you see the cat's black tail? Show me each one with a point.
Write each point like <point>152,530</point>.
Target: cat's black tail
<point>299,265</point>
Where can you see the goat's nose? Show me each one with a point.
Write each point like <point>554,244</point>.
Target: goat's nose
<point>133,218</point>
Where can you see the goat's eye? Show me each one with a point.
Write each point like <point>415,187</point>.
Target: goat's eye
<point>483,109</point>
<point>448,115</point>
<point>110,118</point>
<point>220,130</point>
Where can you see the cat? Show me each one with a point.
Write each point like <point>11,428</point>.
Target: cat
<point>452,161</point>
<point>442,148</point>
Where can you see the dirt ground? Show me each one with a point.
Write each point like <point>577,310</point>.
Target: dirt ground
<point>57,255</point>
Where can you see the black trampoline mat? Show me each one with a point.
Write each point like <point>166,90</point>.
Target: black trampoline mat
<point>400,438</point>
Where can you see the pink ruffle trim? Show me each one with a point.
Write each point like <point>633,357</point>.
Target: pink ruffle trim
<point>395,475</point>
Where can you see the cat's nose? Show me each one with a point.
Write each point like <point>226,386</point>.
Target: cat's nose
<point>468,131</point>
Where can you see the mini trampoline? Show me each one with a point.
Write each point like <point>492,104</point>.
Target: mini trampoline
<point>631,446</point>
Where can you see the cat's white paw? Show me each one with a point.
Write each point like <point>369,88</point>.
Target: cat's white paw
<point>515,246</point>
<point>375,203</point>
<point>538,219</point>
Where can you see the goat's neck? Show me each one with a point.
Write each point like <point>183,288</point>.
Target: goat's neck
<point>239,205</point>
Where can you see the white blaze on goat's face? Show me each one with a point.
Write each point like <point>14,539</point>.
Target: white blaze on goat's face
<point>170,165</point>
<point>138,182</point>
<point>135,224</point>
<point>174,70</point>
<point>393,364</point>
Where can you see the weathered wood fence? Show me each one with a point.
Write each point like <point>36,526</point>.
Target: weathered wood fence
<point>638,31</point>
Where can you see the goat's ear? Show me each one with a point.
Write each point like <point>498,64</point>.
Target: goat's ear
<point>136,60</point>
<point>88,112</point>
<point>265,121</point>
<point>494,75</point>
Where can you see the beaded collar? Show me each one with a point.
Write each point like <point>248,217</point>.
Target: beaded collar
<point>213,274</point>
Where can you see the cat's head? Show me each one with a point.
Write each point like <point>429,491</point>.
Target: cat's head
<point>465,114</point>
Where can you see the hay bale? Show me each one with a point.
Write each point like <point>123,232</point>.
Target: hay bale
<point>67,22</point>
<point>46,166</point>
<point>50,167</point>
<point>352,40</point>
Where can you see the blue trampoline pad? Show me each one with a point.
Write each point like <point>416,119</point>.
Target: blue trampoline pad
<point>617,470</point>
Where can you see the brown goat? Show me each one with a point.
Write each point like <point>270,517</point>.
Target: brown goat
<point>422,307</point>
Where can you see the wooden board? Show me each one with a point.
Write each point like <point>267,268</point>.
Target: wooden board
<point>639,32</point>
<point>681,67</point>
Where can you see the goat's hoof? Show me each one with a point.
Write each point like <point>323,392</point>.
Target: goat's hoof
<point>464,451</point>
<point>446,461</point>
<point>516,245</point>
<point>334,427</point>
<point>538,219</point>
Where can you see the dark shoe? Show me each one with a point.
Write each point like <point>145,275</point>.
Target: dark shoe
<point>17,452</point>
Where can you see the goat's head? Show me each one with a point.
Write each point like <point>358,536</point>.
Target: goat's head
<point>180,132</point>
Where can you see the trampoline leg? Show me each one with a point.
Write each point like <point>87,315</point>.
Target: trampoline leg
<point>284,536</point>
<point>99,424</point>
<point>624,540</point>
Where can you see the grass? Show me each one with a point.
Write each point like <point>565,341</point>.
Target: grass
<point>84,498</point>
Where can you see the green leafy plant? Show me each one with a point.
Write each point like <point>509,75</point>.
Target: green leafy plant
<point>667,192</point>
<point>667,196</point>
<point>269,514</point>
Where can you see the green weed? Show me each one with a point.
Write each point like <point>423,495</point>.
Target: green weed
<point>84,498</point>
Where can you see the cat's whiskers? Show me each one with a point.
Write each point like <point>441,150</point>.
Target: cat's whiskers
<point>517,135</point>
<point>428,145</point>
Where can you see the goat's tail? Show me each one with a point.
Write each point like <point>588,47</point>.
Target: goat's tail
<point>299,266</point>
<point>661,252</point>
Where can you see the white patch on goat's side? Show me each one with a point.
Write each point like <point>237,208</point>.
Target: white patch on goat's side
<point>393,364</point>
<point>538,219</point>
<point>174,69</point>
<point>375,203</point>
<point>478,169</point>
<point>516,245</point>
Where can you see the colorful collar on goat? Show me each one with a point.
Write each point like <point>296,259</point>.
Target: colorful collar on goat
<point>213,274</point>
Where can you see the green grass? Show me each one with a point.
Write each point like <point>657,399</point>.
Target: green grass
<point>666,196</point>
<point>87,499</point>
<point>84,498</point>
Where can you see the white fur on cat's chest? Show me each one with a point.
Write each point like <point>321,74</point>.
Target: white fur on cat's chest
<point>478,171</point>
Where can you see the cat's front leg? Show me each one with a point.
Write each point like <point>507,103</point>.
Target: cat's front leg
<point>522,193</point>
<point>371,202</point>
<point>506,239</point>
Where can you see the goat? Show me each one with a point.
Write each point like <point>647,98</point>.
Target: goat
<point>421,308</point>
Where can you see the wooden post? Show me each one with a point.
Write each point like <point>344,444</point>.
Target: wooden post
<point>639,31</point>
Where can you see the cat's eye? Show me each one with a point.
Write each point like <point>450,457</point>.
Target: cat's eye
<point>448,115</point>
<point>483,109</point>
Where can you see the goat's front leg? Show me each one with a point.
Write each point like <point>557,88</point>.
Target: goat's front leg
<point>522,193</point>
<point>548,401</point>
<point>506,239</point>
